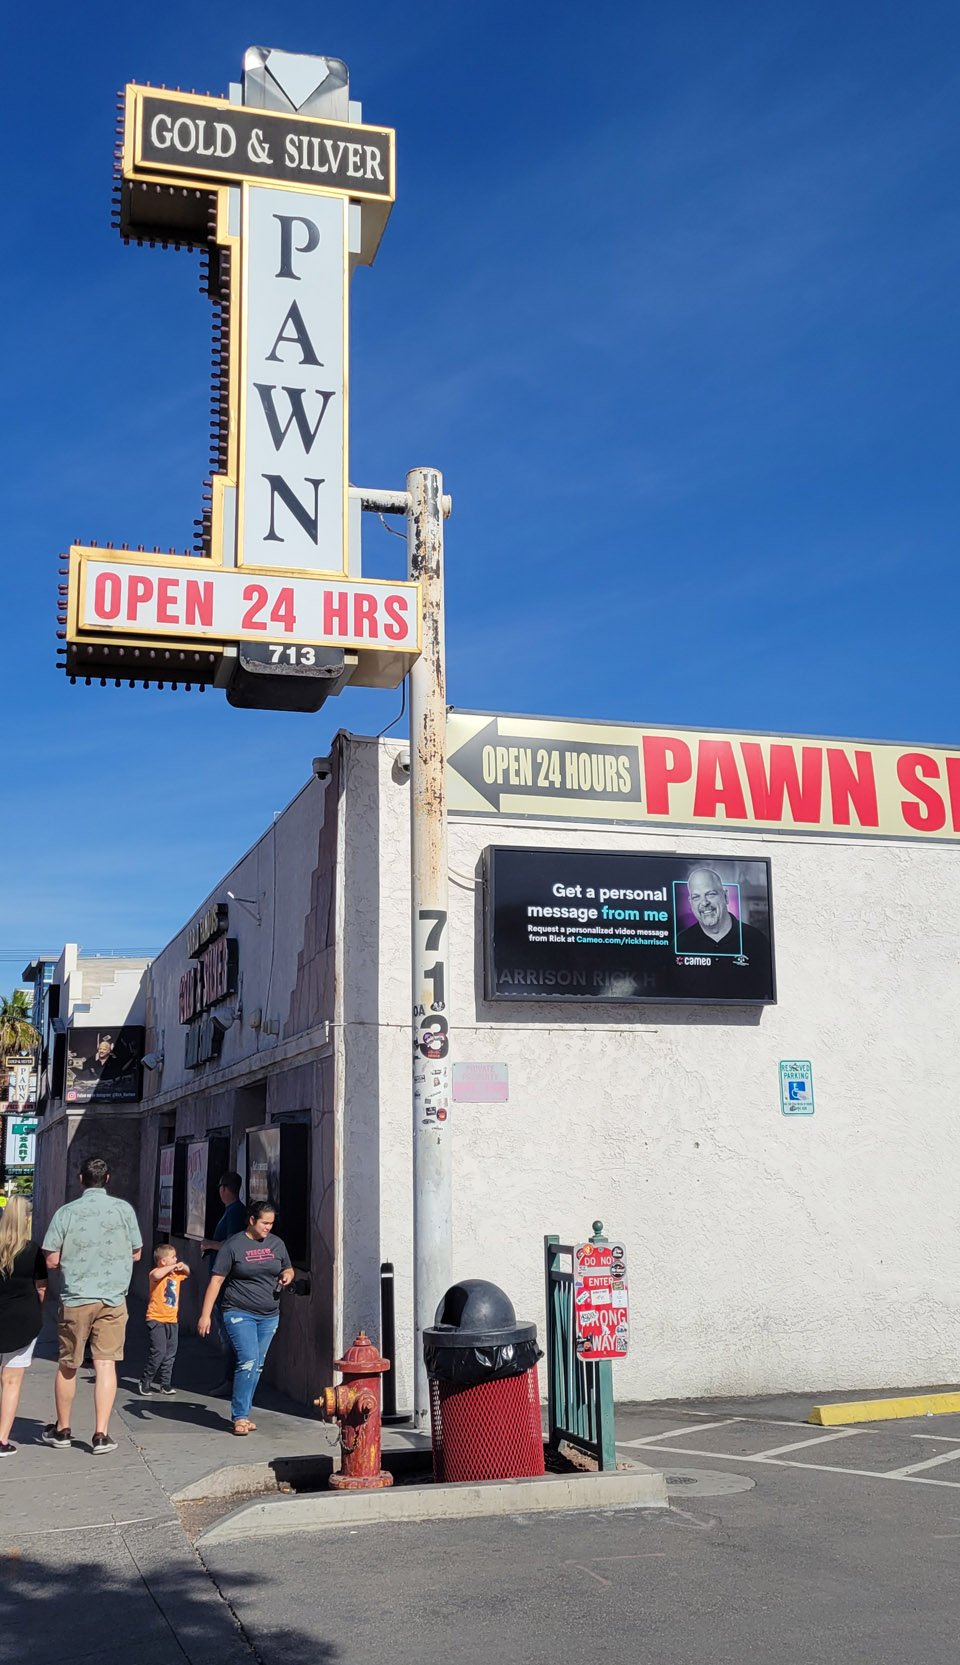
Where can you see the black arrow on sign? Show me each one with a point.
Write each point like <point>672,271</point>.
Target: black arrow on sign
<point>547,767</point>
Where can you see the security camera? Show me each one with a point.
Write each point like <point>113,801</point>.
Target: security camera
<point>403,761</point>
<point>153,1061</point>
<point>321,768</point>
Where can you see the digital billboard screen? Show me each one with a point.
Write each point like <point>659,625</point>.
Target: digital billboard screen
<point>602,925</point>
<point>103,1065</point>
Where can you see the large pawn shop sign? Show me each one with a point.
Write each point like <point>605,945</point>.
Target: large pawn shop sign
<point>281,203</point>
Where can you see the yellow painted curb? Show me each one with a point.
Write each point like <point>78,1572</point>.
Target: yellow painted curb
<point>884,1410</point>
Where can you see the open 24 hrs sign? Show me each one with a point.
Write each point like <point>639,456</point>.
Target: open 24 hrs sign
<point>600,1301</point>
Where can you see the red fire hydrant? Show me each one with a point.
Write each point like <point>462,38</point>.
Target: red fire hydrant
<point>355,1404</point>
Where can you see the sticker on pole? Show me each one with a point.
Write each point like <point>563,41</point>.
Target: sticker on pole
<point>796,1087</point>
<point>600,1301</point>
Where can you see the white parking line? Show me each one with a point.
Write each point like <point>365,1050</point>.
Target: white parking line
<point>767,1421</point>
<point>672,1433</point>
<point>816,1468</point>
<point>798,1445</point>
<point>931,1462</point>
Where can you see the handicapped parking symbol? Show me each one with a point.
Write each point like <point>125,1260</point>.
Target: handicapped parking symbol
<point>797,1089</point>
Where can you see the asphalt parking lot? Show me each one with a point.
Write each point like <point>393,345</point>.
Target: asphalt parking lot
<point>833,1546</point>
<point>919,1451</point>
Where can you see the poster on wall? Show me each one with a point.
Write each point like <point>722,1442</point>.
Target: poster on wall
<point>165,1187</point>
<point>198,1152</point>
<point>263,1164</point>
<point>604,925</point>
<point>103,1065</point>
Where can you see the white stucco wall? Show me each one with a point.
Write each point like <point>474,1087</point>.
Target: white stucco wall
<point>765,1252</point>
<point>100,989</point>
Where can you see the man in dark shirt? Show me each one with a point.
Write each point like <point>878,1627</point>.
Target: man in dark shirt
<point>232,1220</point>
<point>725,939</point>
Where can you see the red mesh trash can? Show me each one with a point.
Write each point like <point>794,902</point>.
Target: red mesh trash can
<point>484,1396</point>
<point>490,1431</point>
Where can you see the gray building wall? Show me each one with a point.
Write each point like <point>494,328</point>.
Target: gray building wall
<point>277,1059</point>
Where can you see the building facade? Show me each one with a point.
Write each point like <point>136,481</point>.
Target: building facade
<point>90,1074</point>
<point>767,1251</point>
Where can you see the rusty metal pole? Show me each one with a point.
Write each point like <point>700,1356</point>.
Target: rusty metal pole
<point>432,1163</point>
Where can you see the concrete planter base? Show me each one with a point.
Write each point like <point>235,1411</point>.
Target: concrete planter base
<point>633,1488</point>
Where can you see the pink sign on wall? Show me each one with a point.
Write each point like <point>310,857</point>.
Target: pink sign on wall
<point>480,1083</point>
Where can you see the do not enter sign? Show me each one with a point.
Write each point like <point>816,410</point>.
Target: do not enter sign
<point>600,1301</point>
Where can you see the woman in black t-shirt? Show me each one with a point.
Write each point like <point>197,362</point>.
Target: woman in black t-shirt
<point>251,1268</point>
<point>23,1288</point>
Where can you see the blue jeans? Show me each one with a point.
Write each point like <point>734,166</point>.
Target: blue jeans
<point>250,1336</point>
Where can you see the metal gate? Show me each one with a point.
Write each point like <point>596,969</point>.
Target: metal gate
<point>579,1395</point>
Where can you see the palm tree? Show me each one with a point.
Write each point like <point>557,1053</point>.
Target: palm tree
<point>17,1033</point>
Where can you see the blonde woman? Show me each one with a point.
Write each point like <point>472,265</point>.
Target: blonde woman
<point>23,1288</point>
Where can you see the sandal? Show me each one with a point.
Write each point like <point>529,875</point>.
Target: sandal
<point>244,1426</point>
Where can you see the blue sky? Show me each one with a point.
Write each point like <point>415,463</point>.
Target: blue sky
<point>669,294</point>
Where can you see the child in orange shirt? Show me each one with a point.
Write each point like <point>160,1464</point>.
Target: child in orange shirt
<point>166,1275</point>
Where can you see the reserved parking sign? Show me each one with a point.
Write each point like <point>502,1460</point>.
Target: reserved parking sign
<point>796,1087</point>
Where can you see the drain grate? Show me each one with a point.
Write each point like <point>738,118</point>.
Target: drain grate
<point>706,1482</point>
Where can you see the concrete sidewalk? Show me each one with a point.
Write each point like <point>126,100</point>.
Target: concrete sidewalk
<point>168,1442</point>
<point>94,1563</point>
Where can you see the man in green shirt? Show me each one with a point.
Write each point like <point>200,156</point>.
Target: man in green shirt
<point>94,1243</point>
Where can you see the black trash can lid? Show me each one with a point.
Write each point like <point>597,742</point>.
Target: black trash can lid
<point>475,1313</point>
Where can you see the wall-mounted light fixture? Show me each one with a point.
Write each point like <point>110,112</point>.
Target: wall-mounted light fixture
<point>252,907</point>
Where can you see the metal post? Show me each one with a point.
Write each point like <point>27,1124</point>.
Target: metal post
<point>550,1257</point>
<point>388,1345</point>
<point>606,1435</point>
<point>432,1165</point>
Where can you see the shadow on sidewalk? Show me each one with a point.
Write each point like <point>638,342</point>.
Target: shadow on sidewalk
<point>133,1604</point>
<point>200,1368</point>
<point>155,1408</point>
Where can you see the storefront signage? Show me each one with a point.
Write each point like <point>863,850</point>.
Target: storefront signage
<point>209,138</point>
<point>103,1065</point>
<point>796,1087</point>
<point>292,503</point>
<point>165,1165</point>
<point>20,1142</point>
<point>20,1079</point>
<point>282,205</point>
<point>204,1041</point>
<point>203,930</point>
<point>601,1301</point>
<point>209,979</point>
<point>189,600</point>
<point>602,925</point>
<point>536,766</point>
<point>212,977</point>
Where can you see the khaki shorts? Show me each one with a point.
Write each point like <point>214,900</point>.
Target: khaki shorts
<point>105,1328</point>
